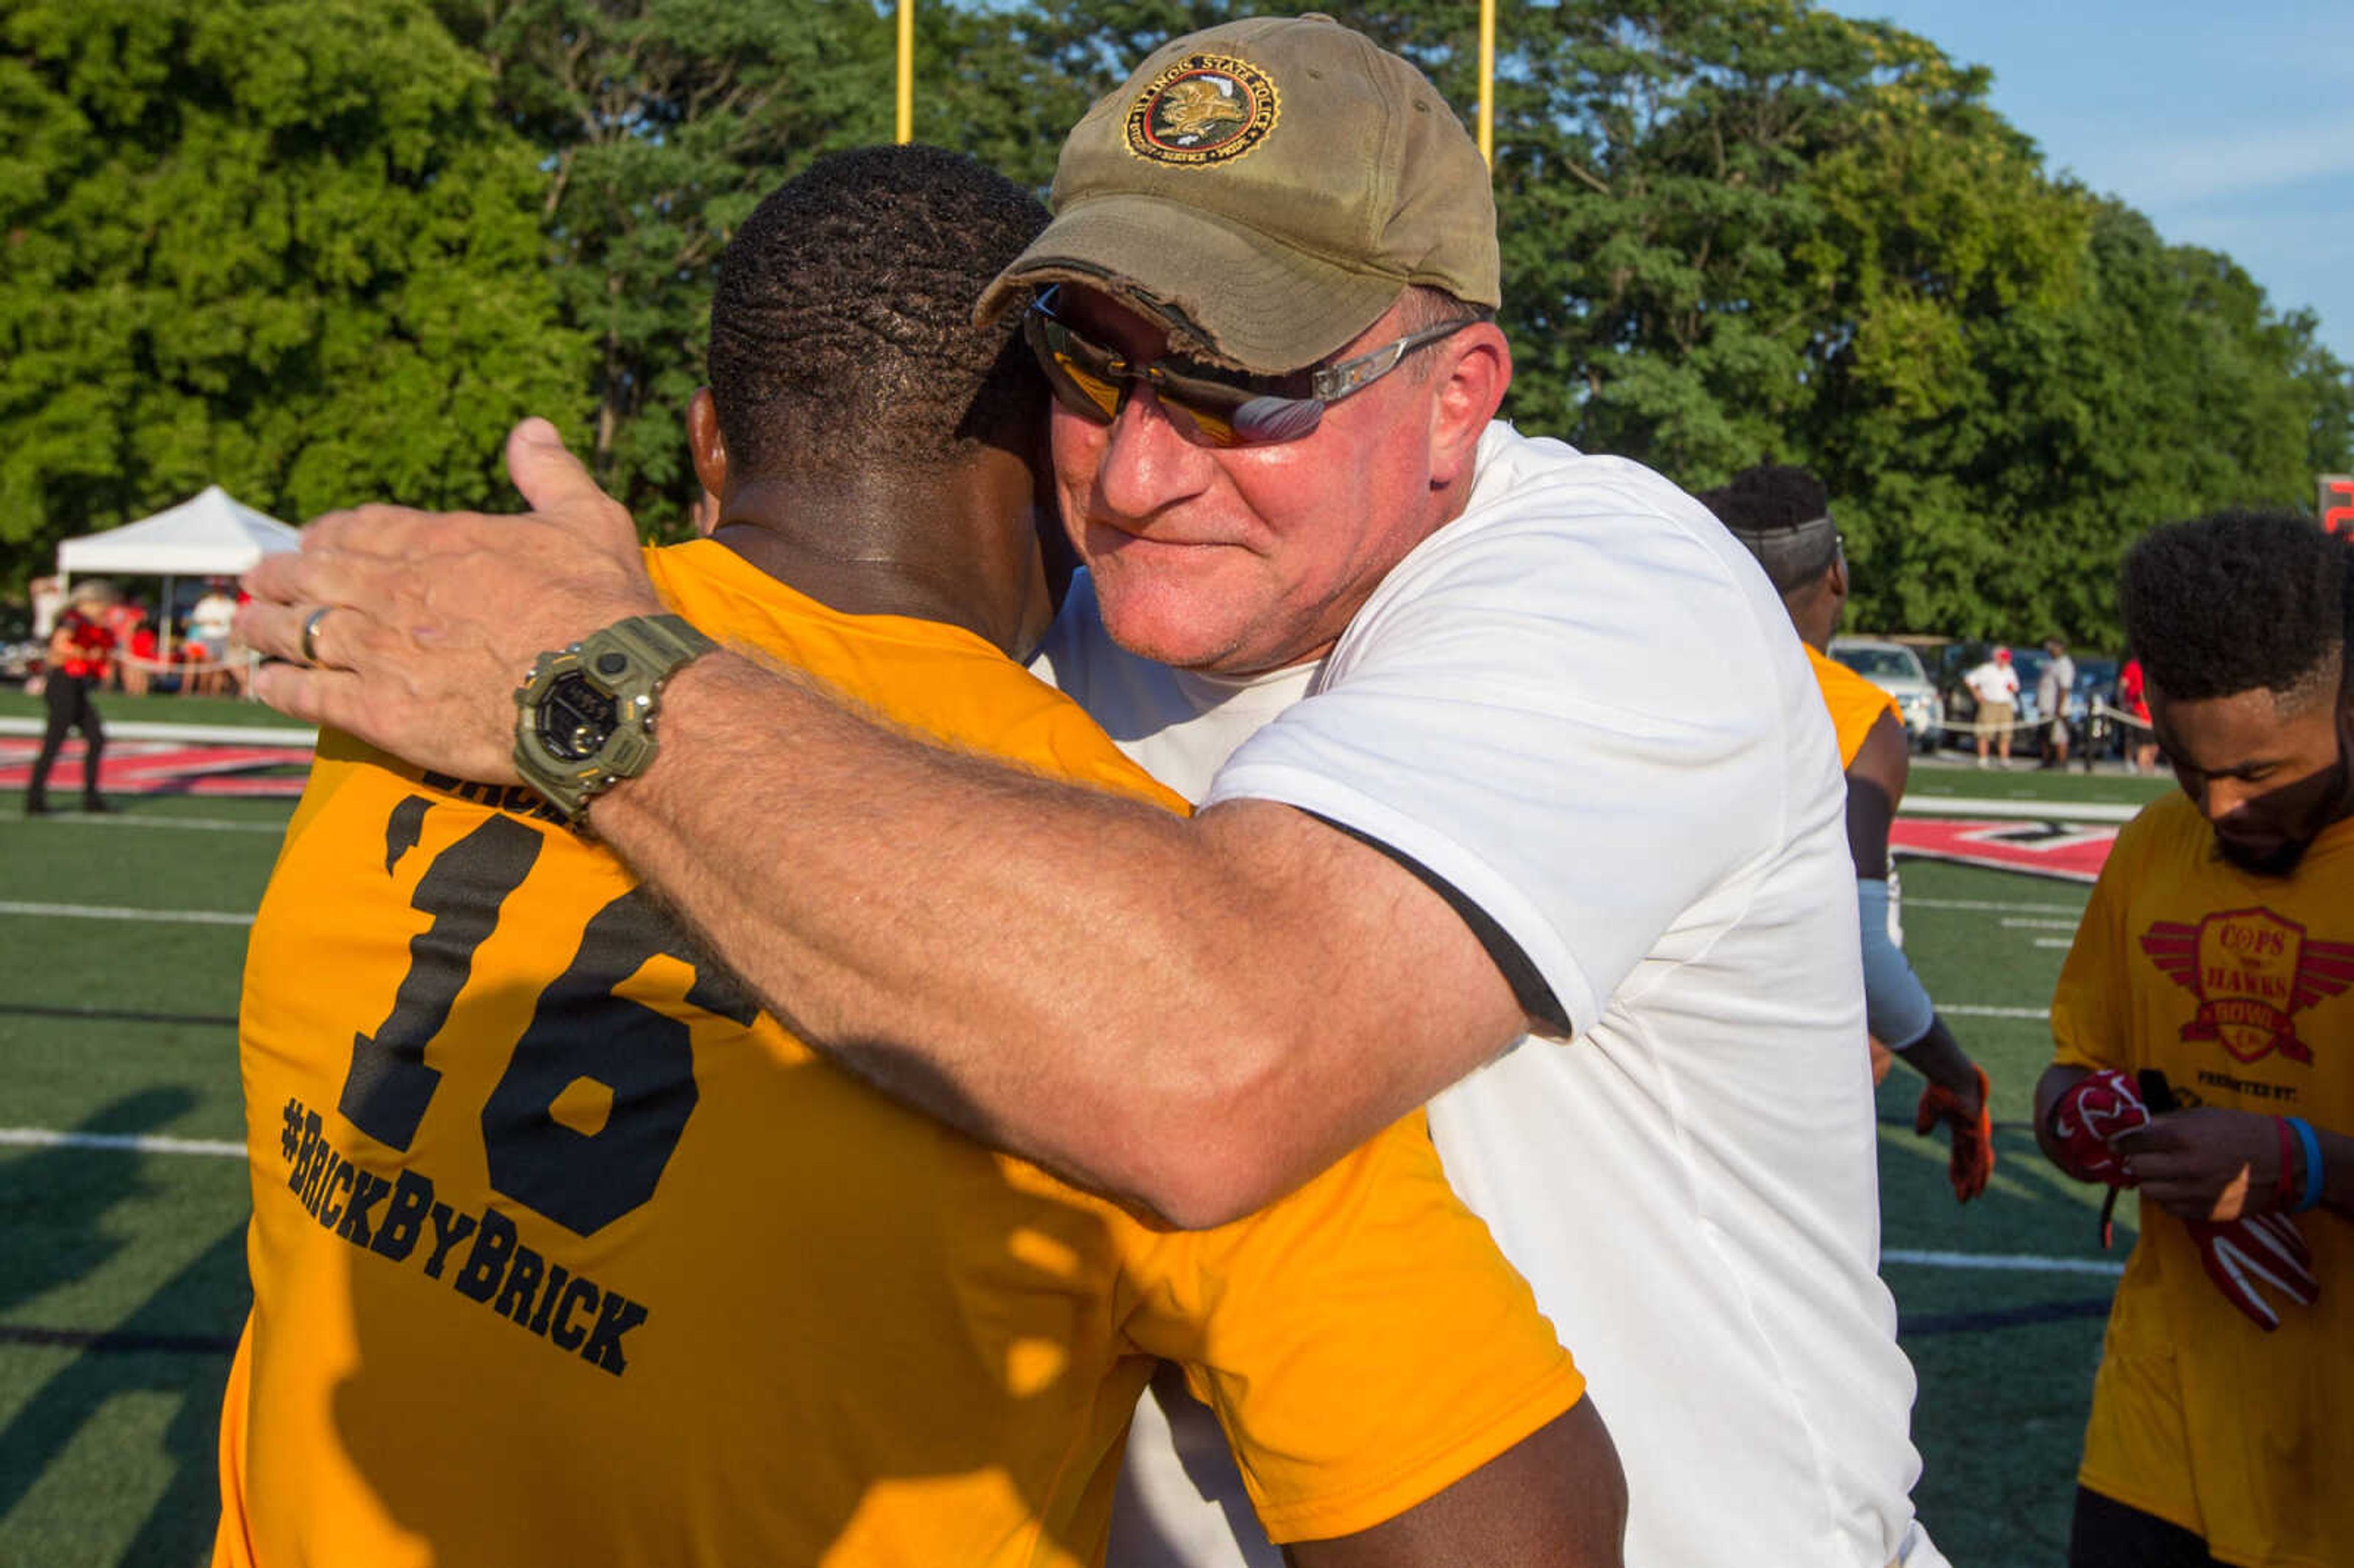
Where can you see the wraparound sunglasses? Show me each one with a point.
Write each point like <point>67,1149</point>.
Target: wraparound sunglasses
<point>1220,407</point>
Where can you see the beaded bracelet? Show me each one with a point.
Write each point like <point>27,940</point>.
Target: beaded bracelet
<point>2313,1173</point>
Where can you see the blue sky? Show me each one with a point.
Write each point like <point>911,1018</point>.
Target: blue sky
<point>2231,126</point>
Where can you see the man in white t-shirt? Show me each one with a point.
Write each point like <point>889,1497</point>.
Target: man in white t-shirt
<point>1511,774</point>
<point>211,622</point>
<point>1995,685</point>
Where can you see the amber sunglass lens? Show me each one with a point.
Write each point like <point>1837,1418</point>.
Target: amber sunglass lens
<point>1091,393</point>
<point>1093,381</point>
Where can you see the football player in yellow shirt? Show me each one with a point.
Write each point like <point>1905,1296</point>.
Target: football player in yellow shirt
<point>1782,514</point>
<point>563,1251</point>
<point>2205,1054</point>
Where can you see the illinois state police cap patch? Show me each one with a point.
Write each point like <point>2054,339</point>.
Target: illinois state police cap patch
<point>1203,109</point>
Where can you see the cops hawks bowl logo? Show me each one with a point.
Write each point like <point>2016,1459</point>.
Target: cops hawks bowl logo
<point>2251,971</point>
<point>1205,109</point>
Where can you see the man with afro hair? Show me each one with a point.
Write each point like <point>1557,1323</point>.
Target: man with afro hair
<point>2203,1025</point>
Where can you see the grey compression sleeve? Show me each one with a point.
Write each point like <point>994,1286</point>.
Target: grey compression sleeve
<point>1895,1004</point>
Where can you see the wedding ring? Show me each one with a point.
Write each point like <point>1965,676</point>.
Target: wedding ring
<point>311,634</point>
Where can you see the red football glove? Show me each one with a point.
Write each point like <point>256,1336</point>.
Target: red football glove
<point>2239,1254</point>
<point>1972,1159</point>
<point>2097,1110</point>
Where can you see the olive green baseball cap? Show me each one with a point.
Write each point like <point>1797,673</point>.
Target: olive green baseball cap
<point>1265,189</point>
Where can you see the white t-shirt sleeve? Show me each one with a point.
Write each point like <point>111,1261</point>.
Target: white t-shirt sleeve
<point>1574,713</point>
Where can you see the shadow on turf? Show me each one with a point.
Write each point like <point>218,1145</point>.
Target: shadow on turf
<point>52,1208</point>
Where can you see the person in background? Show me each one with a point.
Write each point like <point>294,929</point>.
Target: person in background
<point>2203,1031</point>
<point>1782,516</point>
<point>211,626</point>
<point>49,597</point>
<point>2141,743</point>
<point>79,652</point>
<point>1995,685</point>
<point>2052,690</point>
<point>122,618</point>
<point>136,655</point>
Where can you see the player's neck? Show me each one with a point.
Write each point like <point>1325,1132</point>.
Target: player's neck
<point>923,548</point>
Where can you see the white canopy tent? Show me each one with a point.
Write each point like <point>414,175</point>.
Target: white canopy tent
<point>212,535</point>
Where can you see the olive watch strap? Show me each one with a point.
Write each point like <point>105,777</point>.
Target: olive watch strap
<point>585,715</point>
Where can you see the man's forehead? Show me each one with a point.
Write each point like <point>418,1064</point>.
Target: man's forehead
<point>2244,730</point>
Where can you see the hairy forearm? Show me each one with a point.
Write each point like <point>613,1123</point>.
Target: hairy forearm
<point>1135,1000</point>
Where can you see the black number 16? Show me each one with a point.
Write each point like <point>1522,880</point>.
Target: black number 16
<point>579,1030</point>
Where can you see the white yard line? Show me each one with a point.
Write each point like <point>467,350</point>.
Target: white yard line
<point>1964,1010</point>
<point>2021,923</point>
<point>1991,907</point>
<point>42,1137</point>
<point>273,737</point>
<point>2061,942</point>
<point>2013,1262</point>
<point>2030,810</point>
<point>110,912</point>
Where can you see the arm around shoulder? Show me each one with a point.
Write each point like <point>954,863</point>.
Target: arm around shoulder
<point>1194,1015</point>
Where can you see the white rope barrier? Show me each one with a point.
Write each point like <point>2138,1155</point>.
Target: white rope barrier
<point>2098,710</point>
<point>239,660</point>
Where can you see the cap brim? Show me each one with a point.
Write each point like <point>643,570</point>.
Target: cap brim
<point>1272,308</point>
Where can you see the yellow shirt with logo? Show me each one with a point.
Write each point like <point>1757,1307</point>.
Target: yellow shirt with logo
<point>1855,703</point>
<point>2241,990</point>
<point>563,1251</point>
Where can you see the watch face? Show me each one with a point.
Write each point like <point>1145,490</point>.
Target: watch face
<point>575,719</point>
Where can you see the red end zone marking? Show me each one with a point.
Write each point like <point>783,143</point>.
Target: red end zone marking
<point>161,768</point>
<point>2069,851</point>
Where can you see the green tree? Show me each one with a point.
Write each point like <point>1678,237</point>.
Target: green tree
<point>2161,387</point>
<point>278,244</point>
<point>662,123</point>
<point>1739,229</point>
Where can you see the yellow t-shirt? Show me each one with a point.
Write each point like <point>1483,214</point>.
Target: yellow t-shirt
<point>564,1253</point>
<point>1855,703</point>
<point>2237,987</point>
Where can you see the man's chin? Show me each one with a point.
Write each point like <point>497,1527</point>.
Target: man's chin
<point>2267,857</point>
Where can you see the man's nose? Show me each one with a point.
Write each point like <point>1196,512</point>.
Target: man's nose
<point>1148,464</point>
<point>2219,799</point>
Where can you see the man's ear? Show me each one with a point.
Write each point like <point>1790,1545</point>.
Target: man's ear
<point>1472,383</point>
<point>1835,576</point>
<point>708,451</point>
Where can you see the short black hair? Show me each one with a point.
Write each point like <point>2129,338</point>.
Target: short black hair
<point>1767,508</point>
<point>2237,601</point>
<point>841,329</point>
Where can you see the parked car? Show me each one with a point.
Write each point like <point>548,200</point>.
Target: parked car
<point>1897,670</point>
<point>21,653</point>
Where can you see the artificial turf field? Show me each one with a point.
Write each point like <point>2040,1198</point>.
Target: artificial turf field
<point>122,1268</point>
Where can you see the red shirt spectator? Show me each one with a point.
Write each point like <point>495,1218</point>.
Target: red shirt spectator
<point>2129,692</point>
<point>88,645</point>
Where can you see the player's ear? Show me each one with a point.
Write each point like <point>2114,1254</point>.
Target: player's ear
<point>1474,372</point>
<point>707,448</point>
